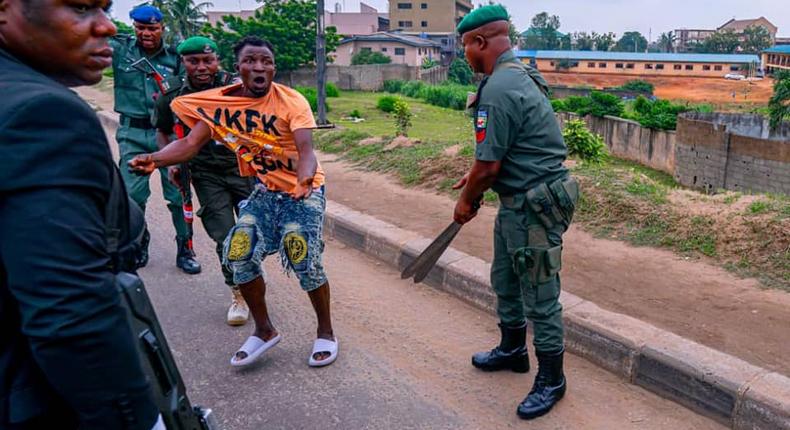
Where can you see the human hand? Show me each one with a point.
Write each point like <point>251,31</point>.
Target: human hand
<point>174,175</point>
<point>465,211</point>
<point>461,182</point>
<point>303,189</point>
<point>142,165</point>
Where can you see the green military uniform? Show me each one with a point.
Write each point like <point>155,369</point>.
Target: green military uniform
<point>515,124</point>
<point>134,100</point>
<point>214,171</point>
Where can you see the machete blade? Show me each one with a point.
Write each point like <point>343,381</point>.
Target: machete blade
<point>428,258</point>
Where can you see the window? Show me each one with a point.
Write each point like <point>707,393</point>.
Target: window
<point>629,66</point>
<point>405,24</point>
<point>618,66</point>
<point>659,67</point>
<point>678,67</point>
<point>424,23</point>
<point>591,65</point>
<point>445,42</point>
<point>717,68</point>
<point>689,67</point>
<point>648,66</point>
<point>705,67</point>
<point>602,65</point>
<point>735,69</point>
<point>404,5</point>
<point>423,5</point>
<point>384,49</point>
<point>400,51</point>
<point>574,64</point>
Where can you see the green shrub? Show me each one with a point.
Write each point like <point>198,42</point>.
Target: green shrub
<point>638,85</point>
<point>355,114</point>
<point>402,115</point>
<point>311,94</point>
<point>108,72</point>
<point>583,143</point>
<point>578,104</point>
<point>331,90</point>
<point>658,115</point>
<point>605,104</point>
<point>393,86</point>
<point>558,105</point>
<point>429,63</point>
<point>413,89</point>
<point>460,72</point>
<point>386,103</point>
<point>447,96</point>
<point>369,57</point>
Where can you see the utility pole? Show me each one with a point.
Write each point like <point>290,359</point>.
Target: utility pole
<point>320,62</point>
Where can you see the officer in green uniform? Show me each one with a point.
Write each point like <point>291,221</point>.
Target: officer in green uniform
<point>519,154</point>
<point>215,171</point>
<point>134,100</point>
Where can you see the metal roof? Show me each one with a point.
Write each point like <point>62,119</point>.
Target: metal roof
<point>638,56</point>
<point>779,49</point>
<point>392,37</point>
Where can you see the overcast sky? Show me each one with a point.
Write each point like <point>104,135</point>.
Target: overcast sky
<point>593,15</point>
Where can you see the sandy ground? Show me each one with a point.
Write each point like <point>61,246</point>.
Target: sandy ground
<point>694,299</point>
<point>698,90</point>
<point>403,366</point>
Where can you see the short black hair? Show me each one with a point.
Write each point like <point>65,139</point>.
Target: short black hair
<point>251,41</point>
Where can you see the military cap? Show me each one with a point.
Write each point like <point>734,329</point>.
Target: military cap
<point>196,45</point>
<point>482,16</point>
<point>146,14</point>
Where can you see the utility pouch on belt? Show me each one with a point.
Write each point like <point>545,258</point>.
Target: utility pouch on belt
<point>537,265</point>
<point>555,202</point>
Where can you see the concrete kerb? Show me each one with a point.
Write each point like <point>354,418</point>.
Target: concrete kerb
<point>726,388</point>
<point>710,382</point>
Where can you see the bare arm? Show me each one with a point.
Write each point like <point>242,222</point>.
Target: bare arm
<point>475,183</point>
<point>178,151</point>
<point>307,165</point>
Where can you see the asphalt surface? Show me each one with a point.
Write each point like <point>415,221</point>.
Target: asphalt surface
<point>404,354</point>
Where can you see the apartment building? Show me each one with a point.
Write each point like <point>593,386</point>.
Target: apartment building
<point>776,58</point>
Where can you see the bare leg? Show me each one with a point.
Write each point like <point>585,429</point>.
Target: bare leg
<point>320,300</point>
<point>254,293</point>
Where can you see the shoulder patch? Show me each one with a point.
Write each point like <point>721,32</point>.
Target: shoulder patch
<point>481,124</point>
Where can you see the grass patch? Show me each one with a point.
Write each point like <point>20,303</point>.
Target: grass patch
<point>759,207</point>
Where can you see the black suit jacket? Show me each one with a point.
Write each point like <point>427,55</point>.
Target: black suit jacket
<point>67,354</point>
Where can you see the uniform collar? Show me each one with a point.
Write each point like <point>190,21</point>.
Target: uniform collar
<point>506,56</point>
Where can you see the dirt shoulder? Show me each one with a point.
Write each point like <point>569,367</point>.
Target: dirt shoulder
<point>688,297</point>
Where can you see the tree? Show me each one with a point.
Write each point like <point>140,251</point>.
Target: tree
<point>666,42</point>
<point>123,28</point>
<point>584,41</point>
<point>722,42</point>
<point>185,18</point>
<point>369,57</point>
<point>756,39</point>
<point>460,72</point>
<point>515,36</point>
<point>543,33</point>
<point>779,105</point>
<point>288,24</point>
<point>605,41</point>
<point>632,41</point>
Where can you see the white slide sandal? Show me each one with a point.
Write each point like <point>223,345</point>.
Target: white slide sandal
<point>323,345</point>
<point>253,347</point>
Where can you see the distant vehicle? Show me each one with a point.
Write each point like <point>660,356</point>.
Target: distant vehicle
<point>734,76</point>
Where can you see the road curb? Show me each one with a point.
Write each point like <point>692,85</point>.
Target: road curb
<point>705,380</point>
<point>710,382</point>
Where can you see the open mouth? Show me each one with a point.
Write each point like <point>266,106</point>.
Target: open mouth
<point>260,80</point>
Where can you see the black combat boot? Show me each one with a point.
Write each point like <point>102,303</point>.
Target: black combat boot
<point>142,255</point>
<point>511,354</point>
<point>548,389</point>
<point>185,259</point>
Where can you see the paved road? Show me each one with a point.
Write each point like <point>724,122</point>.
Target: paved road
<point>404,359</point>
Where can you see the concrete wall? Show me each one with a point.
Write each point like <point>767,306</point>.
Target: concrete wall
<point>734,152</point>
<point>714,70</point>
<point>629,140</point>
<point>363,78</point>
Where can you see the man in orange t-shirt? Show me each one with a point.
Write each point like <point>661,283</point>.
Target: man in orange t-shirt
<point>269,126</point>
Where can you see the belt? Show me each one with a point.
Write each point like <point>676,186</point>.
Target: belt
<point>141,123</point>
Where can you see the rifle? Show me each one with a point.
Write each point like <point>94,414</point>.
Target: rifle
<point>145,66</point>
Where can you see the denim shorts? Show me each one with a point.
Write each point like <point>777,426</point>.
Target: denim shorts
<point>273,222</point>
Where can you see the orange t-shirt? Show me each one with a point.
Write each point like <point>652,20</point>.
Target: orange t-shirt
<point>277,114</point>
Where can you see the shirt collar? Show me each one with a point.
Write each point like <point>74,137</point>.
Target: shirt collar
<point>506,56</point>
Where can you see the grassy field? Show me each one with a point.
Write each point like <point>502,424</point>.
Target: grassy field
<point>747,234</point>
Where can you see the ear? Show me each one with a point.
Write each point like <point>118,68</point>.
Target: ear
<point>481,41</point>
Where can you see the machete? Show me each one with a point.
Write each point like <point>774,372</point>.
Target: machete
<point>423,264</point>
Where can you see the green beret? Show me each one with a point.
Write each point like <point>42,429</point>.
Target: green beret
<point>196,45</point>
<point>482,16</point>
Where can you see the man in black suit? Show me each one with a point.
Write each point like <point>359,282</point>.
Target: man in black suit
<point>67,354</point>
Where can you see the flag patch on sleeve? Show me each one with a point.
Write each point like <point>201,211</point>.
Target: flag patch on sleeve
<point>481,124</point>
